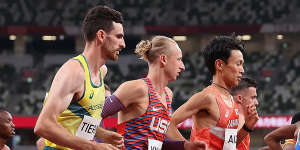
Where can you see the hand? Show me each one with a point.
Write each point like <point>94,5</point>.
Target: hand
<point>103,146</point>
<point>251,116</point>
<point>196,145</point>
<point>113,138</point>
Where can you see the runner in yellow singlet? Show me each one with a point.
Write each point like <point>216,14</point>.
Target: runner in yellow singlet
<point>71,114</point>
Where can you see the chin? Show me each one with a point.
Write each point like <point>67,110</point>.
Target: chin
<point>174,79</point>
<point>114,58</point>
<point>236,84</point>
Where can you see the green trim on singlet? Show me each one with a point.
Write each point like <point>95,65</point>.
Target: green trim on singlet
<point>78,110</point>
<point>49,148</point>
<point>93,85</point>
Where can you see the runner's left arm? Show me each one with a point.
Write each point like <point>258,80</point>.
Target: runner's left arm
<point>274,137</point>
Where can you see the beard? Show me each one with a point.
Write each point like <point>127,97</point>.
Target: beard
<point>112,56</point>
<point>110,52</point>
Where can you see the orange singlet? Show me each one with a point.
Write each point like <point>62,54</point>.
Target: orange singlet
<point>214,136</point>
<point>244,145</point>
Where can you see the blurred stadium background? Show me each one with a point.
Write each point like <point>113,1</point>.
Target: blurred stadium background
<point>38,36</point>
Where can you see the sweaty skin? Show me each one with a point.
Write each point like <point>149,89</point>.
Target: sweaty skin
<point>203,107</point>
<point>69,84</point>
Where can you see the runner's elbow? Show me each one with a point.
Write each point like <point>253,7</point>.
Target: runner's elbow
<point>40,128</point>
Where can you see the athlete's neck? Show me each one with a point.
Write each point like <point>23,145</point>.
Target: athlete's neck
<point>93,56</point>
<point>158,79</point>
<point>219,81</point>
<point>220,84</point>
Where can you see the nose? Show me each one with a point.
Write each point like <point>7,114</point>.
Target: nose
<point>256,102</point>
<point>122,45</point>
<point>12,124</point>
<point>182,67</point>
<point>242,70</point>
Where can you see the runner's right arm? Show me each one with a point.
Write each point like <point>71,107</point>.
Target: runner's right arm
<point>197,102</point>
<point>65,84</point>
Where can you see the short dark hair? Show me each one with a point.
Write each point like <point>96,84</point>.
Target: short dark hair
<point>244,84</point>
<point>220,48</point>
<point>296,118</point>
<point>99,17</point>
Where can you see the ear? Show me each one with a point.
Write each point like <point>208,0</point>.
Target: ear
<point>163,59</point>
<point>100,36</point>
<point>238,99</point>
<point>219,64</point>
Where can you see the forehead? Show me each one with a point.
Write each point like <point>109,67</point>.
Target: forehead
<point>236,55</point>
<point>117,28</point>
<point>5,115</point>
<point>251,91</point>
<point>175,49</point>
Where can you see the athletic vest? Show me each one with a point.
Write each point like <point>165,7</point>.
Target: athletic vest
<point>245,144</point>
<point>214,136</point>
<point>90,104</point>
<point>153,124</point>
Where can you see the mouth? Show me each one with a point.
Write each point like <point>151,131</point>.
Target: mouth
<point>239,78</point>
<point>117,52</point>
<point>13,132</point>
<point>179,74</point>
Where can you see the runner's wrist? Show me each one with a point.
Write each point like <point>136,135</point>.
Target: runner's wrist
<point>250,125</point>
<point>248,129</point>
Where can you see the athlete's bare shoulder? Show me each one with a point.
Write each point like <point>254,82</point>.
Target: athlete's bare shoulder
<point>72,67</point>
<point>204,97</point>
<point>208,94</point>
<point>135,86</point>
<point>132,91</point>
<point>69,77</point>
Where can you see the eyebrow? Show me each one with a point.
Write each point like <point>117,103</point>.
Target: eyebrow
<point>241,60</point>
<point>120,35</point>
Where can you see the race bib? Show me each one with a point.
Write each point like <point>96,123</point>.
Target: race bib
<point>88,127</point>
<point>230,139</point>
<point>298,141</point>
<point>154,144</point>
